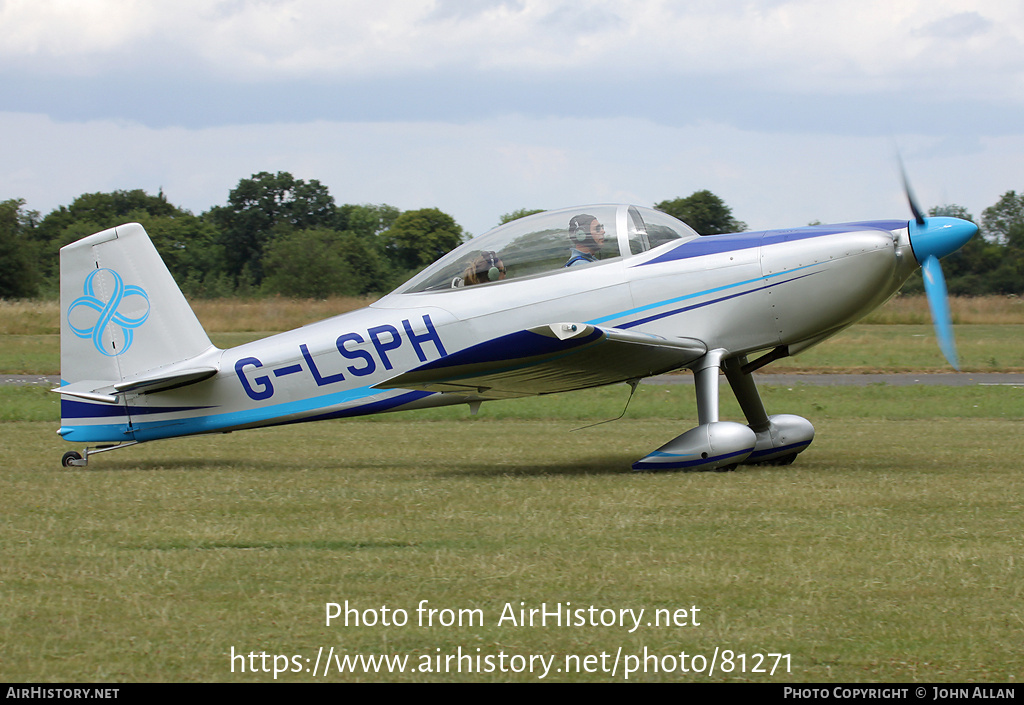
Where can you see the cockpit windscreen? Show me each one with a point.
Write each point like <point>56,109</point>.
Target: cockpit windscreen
<point>550,242</point>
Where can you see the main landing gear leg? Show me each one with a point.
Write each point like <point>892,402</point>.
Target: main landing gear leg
<point>74,459</point>
<point>714,444</point>
<point>779,437</point>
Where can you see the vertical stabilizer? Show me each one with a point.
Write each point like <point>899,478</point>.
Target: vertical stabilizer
<point>122,314</point>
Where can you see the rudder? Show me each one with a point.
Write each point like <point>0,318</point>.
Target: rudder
<point>122,314</point>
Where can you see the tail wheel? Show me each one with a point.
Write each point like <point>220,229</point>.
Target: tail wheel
<point>69,456</point>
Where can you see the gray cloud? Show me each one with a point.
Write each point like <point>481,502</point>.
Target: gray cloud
<point>461,10</point>
<point>459,97</point>
<point>958,26</point>
<point>765,102</point>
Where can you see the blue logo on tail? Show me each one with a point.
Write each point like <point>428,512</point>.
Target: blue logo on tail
<point>107,314</point>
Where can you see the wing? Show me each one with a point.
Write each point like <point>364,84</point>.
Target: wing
<point>558,357</point>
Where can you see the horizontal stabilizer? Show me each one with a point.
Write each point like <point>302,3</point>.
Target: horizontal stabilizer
<point>89,389</point>
<point>156,381</point>
<point>167,380</point>
<point>558,357</point>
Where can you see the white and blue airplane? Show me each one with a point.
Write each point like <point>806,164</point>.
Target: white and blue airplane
<point>558,301</point>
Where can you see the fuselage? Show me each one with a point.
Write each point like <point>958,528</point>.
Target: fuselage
<point>742,293</point>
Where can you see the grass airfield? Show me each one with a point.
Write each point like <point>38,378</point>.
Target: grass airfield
<point>890,551</point>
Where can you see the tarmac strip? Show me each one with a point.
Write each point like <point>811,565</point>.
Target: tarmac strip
<point>948,379</point>
<point>48,380</point>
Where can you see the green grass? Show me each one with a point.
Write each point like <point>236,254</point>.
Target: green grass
<point>30,354</point>
<point>29,403</point>
<point>890,551</point>
<point>911,348</point>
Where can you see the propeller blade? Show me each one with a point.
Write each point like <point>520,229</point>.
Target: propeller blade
<point>938,302</point>
<point>914,208</point>
<point>931,239</point>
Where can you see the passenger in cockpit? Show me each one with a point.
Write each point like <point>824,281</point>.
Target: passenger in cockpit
<point>586,235</point>
<point>484,267</point>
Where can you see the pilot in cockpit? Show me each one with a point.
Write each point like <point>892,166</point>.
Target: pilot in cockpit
<point>586,235</point>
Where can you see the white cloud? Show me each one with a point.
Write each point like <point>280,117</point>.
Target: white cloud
<point>958,26</point>
<point>796,45</point>
<point>65,33</point>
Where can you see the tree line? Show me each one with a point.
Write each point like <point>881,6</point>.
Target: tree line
<point>278,235</point>
<point>275,235</point>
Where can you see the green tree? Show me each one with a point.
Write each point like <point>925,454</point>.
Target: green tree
<point>420,237</point>
<point>517,214</point>
<point>93,212</point>
<point>366,221</point>
<point>371,273</point>
<point>19,277</point>
<point>319,262</point>
<point>1004,221</point>
<point>704,212</point>
<point>105,210</point>
<point>1003,225</point>
<point>262,208</point>
<point>187,244</point>
<point>307,264</point>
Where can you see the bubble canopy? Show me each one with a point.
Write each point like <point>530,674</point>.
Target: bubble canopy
<point>549,243</point>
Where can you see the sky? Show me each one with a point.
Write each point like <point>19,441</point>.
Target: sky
<point>791,111</point>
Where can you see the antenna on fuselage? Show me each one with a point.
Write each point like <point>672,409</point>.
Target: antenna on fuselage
<point>633,384</point>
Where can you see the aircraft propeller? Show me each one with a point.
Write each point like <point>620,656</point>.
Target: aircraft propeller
<point>931,239</point>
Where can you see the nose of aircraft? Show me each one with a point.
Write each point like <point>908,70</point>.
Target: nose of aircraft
<point>939,236</point>
<point>932,238</point>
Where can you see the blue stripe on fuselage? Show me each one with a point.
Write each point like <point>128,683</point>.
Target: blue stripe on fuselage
<point>666,314</point>
<point>698,294</point>
<point>717,244</point>
<point>74,409</point>
<point>212,423</point>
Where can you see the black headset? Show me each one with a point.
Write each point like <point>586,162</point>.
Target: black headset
<point>579,229</point>
<point>496,268</point>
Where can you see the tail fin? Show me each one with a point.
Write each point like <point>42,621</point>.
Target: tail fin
<point>124,323</point>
